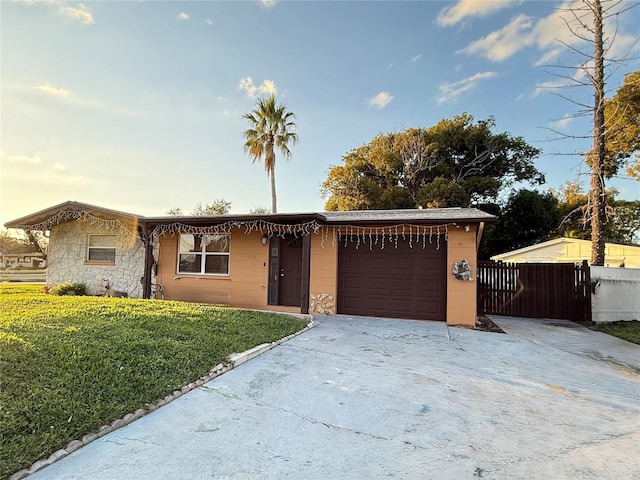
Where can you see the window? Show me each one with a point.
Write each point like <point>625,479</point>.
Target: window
<point>101,248</point>
<point>203,254</point>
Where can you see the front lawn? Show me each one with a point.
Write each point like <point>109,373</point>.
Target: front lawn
<point>71,364</point>
<point>629,331</point>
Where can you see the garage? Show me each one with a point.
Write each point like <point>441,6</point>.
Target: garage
<point>405,279</point>
<point>375,263</point>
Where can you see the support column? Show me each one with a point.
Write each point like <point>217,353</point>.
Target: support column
<point>148,261</point>
<point>306,271</point>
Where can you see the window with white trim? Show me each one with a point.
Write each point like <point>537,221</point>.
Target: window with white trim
<point>101,248</point>
<point>203,254</point>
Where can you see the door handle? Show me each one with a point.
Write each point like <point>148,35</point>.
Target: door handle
<point>282,272</point>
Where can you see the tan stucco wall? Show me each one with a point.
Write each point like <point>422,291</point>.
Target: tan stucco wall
<point>323,284</point>
<point>246,285</point>
<point>461,295</point>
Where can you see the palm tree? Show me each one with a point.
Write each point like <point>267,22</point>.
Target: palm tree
<point>272,126</point>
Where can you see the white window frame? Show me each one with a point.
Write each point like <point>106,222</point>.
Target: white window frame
<point>103,248</point>
<point>204,254</point>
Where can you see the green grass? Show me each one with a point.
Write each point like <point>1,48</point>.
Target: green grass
<point>71,364</point>
<point>629,331</point>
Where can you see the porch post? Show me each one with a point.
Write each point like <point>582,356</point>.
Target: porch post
<point>306,271</point>
<point>148,261</point>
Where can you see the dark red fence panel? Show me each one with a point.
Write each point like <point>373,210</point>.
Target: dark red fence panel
<point>537,290</point>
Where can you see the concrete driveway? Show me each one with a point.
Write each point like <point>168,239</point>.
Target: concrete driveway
<point>363,398</point>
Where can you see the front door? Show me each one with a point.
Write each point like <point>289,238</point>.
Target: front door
<point>290,280</point>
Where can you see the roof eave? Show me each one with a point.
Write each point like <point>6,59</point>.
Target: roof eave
<point>43,215</point>
<point>276,218</point>
<point>413,221</point>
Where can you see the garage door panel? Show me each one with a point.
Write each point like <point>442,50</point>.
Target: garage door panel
<point>400,264</point>
<point>431,286</point>
<point>374,304</point>
<point>393,282</point>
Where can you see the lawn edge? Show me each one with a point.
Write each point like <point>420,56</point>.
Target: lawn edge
<point>234,360</point>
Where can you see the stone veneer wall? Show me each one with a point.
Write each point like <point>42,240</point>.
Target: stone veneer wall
<point>68,250</point>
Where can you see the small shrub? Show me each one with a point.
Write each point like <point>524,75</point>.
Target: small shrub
<point>68,288</point>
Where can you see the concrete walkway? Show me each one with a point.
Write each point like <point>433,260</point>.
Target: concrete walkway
<point>360,398</point>
<point>573,338</point>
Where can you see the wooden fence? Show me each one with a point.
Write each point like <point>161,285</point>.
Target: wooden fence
<point>537,290</point>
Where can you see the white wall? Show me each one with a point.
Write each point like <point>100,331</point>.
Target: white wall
<point>616,295</point>
<point>66,259</point>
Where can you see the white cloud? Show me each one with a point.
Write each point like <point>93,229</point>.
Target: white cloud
<point>548,34</point>
<point>449,16</point>
<point>268,3</point>
<point>36,1</point>
<point>246,83</point>
<point>31,172</point>
<point>267,87</point>
<point>579,77</point>
<point>208,22</point>
<point>501,44</point>
<point>553,27</point>
<point>618,43</point>
<point>34,160</point>
<point>562,123</point>
<point>451,91</point>
<point>58,167</point>
<point>183,16</point>
<point>549,56</point>
<point>33,94</point>
<point>550,86</point>
<point>416,58</point>
<point>55,91</point>
<point>380,100</point>
<point>79,12</point>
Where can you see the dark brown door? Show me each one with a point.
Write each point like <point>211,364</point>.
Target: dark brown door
<point>290,286</point>
<point>403,281</point>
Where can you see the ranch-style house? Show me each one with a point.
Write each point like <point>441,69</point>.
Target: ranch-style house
<point>417,264</point>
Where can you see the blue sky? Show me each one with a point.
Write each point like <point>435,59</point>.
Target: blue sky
<point>138,105</point>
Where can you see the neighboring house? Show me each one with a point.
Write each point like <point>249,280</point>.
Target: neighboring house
<point>384,263</point>
<point>572,250</point>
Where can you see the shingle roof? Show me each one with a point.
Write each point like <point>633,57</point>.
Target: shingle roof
<point>431,215</point>
<point>362,217</point>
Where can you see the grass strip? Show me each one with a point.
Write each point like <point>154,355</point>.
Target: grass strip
<point>70,364</point>
<point>629,331</point>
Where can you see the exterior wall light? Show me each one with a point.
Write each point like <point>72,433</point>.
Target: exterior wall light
<point>264,239</point>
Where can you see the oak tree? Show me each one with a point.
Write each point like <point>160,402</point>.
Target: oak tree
<point>622,127</point>
<point>457,162</point>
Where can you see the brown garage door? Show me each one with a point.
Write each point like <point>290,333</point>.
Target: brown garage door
<point>400,282</point>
